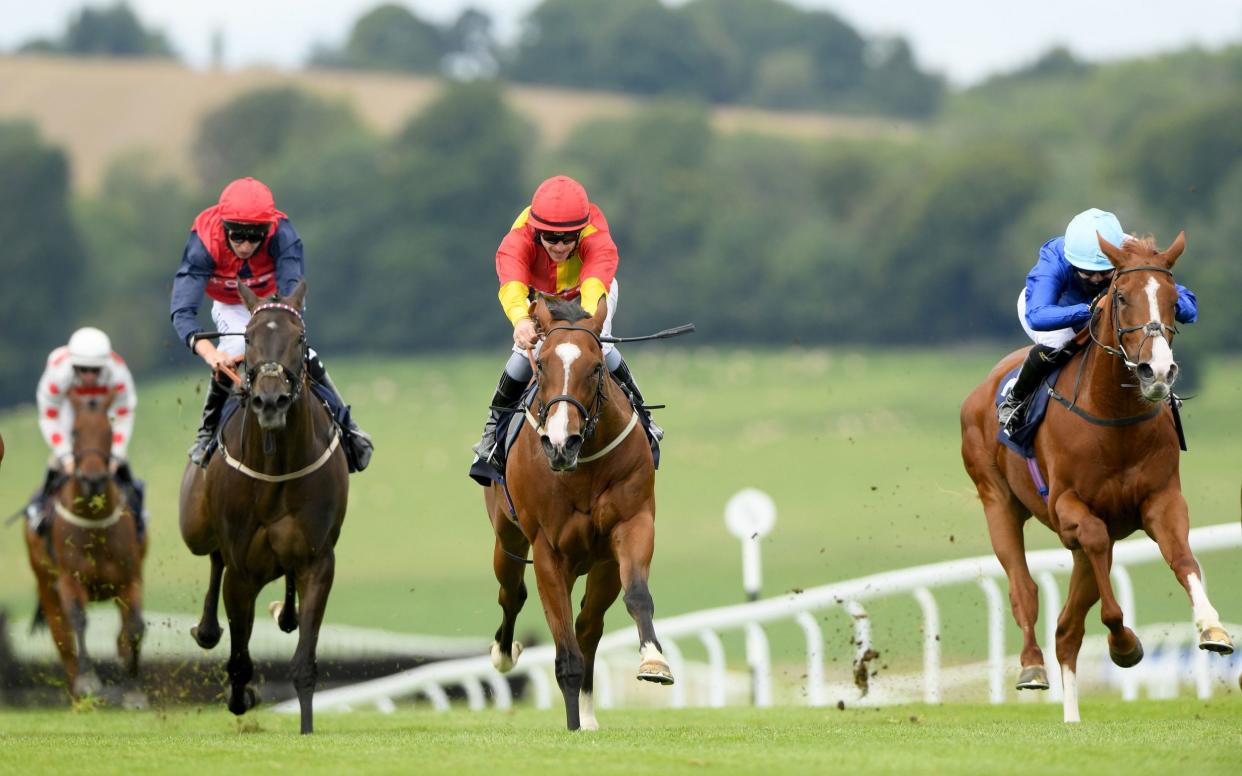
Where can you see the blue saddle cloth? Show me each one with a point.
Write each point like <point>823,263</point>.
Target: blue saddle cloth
<point>1023,440</point>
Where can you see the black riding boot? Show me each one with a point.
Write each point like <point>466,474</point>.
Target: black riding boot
<point>359,442</point>
<point>1040,362</point>
<point>623,375</point>
<point>508,393</point>
<point>213,406</point>
<point>37,509</point>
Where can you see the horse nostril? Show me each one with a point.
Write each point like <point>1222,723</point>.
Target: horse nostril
<point>283,401</point>
<point>256,402</point>
<point>573,444</point>
<point>1145,371</point>
<point>1172,372</point>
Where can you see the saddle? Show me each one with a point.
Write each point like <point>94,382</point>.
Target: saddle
<point>1022,441</point>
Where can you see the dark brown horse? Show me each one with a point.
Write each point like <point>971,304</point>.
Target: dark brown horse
<point>1109,453</point>
<point>583,488</point>
<point>270,503</point>
<point>91,553</point>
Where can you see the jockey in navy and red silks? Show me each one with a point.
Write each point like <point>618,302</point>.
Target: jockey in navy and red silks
<point>1055,304</point>
<point>243,239</point>
<point>560,245</point>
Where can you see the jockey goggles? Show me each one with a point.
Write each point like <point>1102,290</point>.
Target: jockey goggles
<point>253,233</point>
<point>555,238</point>
<point>1094,278</point>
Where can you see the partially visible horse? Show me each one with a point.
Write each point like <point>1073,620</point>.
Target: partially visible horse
<point>1109,450</point>
<point>91,553</point>
<point>270,502</point>
<point>582,483</point>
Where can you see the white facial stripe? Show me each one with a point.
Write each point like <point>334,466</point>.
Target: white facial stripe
<point>1161,353</point>
<point>1205,614</point>
<point>558,424</point>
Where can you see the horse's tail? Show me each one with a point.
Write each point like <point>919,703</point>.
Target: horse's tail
<point>39,620</point>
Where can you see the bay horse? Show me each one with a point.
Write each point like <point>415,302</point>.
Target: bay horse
<point>91,553</point>
<point>583,497</point>
<point>1110,456</point>
<point>270,502</point>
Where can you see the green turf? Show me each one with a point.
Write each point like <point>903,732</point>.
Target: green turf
<point>858,449</point>
<point>1132,738</point>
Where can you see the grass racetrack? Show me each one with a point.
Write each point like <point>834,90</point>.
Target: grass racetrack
<point>1132,738</point>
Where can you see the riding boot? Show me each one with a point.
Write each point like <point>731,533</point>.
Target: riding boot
<point>213,406</point>
<point>508,394</point>
<point>359,442</point>
<point>1040,362</point>
<point>134,492</point>
<point>626,378</point>
<point>37,510</point>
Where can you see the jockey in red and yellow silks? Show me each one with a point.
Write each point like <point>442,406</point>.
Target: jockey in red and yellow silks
<point>558,245</point>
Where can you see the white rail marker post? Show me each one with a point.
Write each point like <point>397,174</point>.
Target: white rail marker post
<point>750,515</point>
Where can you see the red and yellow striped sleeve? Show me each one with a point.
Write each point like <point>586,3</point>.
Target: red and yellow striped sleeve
<point>599,261</point>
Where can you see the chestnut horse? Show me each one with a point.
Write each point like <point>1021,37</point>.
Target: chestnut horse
<point>270,502</point>
<point>1109,451</point>
<point>583,496</point>
<point>91,553</point>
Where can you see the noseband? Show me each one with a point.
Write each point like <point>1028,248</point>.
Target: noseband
<point>590,417</point>
<point>1150,330</point>
<point>275,368</point>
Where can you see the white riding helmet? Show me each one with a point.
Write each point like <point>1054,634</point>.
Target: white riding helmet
<point>89,348</point>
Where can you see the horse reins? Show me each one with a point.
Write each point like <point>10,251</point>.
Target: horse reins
<point>590,417</point>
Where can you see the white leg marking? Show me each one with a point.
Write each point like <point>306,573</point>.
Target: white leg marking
<point>586,711</point>
<point>503,662</point>
<point>1205,614</point>
<point>649,651</point>
<point>558,424</point>
<point>1161,353</point>
<point>1069,694</point>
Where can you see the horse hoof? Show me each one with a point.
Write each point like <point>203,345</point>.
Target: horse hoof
<point>277,610</point>
<point>134,700</point>
<point>505,663</point>
<point>206,637</point>
<point>655,671</point>
<point>247,701</point>
<point>1033,678</point>
<point>1216,640</point>
<point>87,684</point>
<point>1129,659</point>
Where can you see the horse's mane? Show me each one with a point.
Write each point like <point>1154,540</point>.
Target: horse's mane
<point>1146,242</point>
<point>567,310</point>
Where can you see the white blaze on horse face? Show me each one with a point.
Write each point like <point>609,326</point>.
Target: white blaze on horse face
<point>1069,694</point>
<point>586,711</point>
<point>1161,354</point>
<point>1205,614</point>
<point>558,424</point>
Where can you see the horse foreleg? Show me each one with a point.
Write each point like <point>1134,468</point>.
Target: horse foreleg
<point>239,595</point>
<point>208,632</point>
<point>1080,529</point>
<point>603,585</point>
<point>313,583</point>
<point>73,603</point>
<point>510,573</point>
<point>129,642</point>
<point>554,581</point>
<point>1082,595</point>
<point>1009,545</point>
<point>1167,522</point>
<point>49,602</point>
<point>633,544</point>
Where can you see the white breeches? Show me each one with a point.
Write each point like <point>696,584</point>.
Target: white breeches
<point>1054,339</point>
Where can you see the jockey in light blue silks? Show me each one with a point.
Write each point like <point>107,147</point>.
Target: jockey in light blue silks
<point>1056,302</point>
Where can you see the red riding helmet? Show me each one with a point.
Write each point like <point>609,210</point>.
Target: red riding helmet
<point>560,204</point>
<point>248,201</point>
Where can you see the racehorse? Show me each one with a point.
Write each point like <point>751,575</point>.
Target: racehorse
<point>270,503</point>
<point>1110,454</point>
<point>583,496</point>
<point>91,553</point>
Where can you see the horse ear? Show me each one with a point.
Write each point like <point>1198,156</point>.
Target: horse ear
<point>1113,252</point>
<point>539,311</point>
<point>298,295</point>
<point>600,317</point>
<point>1171,253</point>
<point>248,297</point>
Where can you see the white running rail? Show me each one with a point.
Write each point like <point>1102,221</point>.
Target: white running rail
<point>748,619</point>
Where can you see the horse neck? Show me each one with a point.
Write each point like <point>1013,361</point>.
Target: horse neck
<point>295,443</point>
<point>1106,377</point>
<point>83,507</point>
<point>613,419</point>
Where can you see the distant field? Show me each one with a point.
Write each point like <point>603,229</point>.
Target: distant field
<point>1150,737</point>
<point>98,108</point>
<point>859,451</point>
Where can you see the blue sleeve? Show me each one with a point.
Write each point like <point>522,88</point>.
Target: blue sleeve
<point>1187,305</point>
<point>286,249</point>
<point>188,286</point>
<point>1045,284</point>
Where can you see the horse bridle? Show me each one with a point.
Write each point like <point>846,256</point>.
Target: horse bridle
<point>1151,329</point>
<point>276,368</point>
<point>590,417</point>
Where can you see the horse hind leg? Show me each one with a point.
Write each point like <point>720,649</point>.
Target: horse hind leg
<point>510,573</point>
<point>208,631</point>
<point>239,597</point>
<point>1082,595</point>
<point>1005,521</point>
<point>314,583</point>
<point>633,544</point>
<point>286,612</point>
<point>603,585</point>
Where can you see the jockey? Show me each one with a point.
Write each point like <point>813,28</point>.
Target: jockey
<point>559,245</point>
<point>244,239</point>
<point>1056,303</point>
<point>84,367</point>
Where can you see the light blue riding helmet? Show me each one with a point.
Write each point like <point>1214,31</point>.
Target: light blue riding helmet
<point>1082,249</point>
